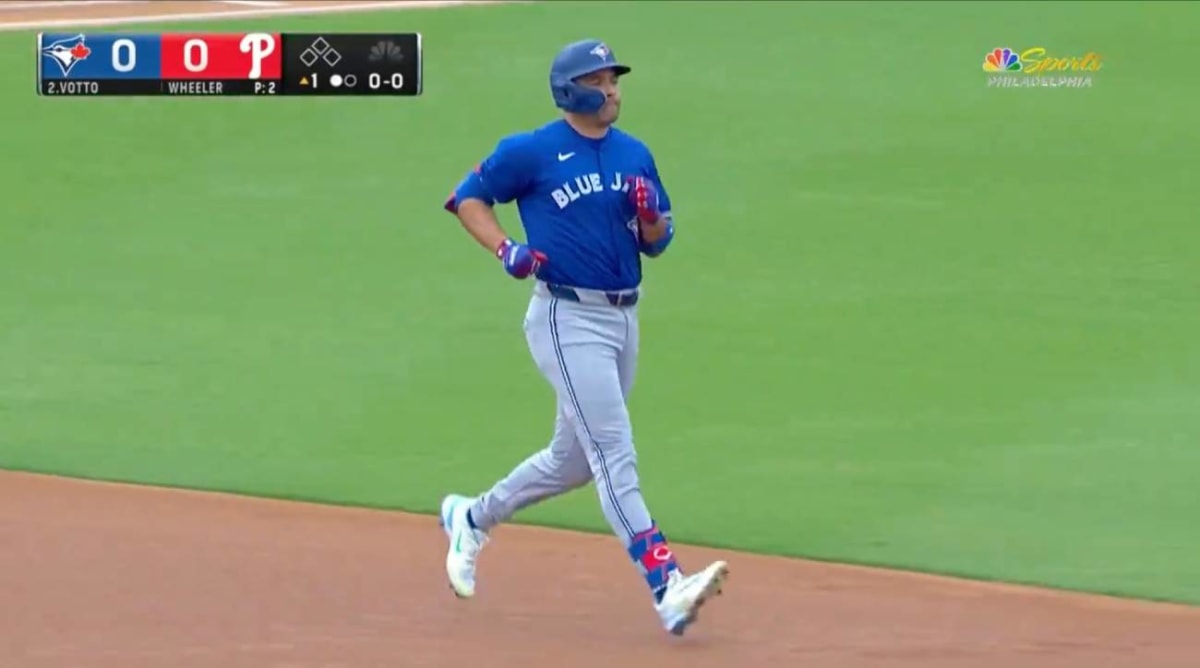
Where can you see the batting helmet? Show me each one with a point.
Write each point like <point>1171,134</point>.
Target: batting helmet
<point>576,60</point>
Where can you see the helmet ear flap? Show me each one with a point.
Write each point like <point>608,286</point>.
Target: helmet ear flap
<point>562,96</point>
<point>576,98</point>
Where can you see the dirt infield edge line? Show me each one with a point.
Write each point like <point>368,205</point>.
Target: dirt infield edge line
<point>1084,598</point>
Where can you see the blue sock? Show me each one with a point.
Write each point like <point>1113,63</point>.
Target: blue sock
<point>649,549</point>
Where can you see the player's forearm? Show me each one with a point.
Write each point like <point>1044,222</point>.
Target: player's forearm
<point>651,233</point>
<point>480,222</point>
<point>657,236</point>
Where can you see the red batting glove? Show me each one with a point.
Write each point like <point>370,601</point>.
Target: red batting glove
<point>644,197</point>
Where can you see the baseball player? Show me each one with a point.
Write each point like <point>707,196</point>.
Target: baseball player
<point>591,203</point>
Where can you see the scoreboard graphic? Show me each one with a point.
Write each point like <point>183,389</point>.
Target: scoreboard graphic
<point>223,64</point>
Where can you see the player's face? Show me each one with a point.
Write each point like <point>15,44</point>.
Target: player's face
<point>606,81</point>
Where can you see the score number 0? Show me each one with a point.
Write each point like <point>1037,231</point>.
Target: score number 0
<point>396,81</point>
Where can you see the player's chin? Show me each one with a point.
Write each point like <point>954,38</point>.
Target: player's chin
<point>609,114</point>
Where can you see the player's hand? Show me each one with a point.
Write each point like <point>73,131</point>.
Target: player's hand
<point>644,197</point>
<point>520,261</point>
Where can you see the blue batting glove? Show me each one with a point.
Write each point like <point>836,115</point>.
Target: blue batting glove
<point>520,261</point>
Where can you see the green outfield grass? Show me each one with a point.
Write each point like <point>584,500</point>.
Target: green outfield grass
<point>909,320</point>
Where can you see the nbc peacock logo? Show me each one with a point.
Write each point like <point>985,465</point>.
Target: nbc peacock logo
<point>1002,60</point>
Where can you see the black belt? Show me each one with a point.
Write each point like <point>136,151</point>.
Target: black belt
<point>614,298</point>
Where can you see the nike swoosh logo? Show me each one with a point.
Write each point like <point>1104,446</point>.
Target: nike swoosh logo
<point>562,157</point>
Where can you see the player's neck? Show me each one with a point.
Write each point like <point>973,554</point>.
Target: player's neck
<point>586,126</point>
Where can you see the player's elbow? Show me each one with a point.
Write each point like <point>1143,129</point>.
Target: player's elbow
<point>470,189</point>
<point>471,208</point>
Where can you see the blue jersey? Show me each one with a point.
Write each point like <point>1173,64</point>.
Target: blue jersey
<point>573,201</point>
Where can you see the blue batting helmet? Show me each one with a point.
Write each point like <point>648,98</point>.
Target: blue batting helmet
<point>576,60</point>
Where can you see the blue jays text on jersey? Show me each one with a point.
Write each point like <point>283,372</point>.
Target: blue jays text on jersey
<point>571,194</point>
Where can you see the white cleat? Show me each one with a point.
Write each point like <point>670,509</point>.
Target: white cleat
<point>465,544</point>
<point>685,595</point>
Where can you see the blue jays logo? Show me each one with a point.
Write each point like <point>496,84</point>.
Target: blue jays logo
<point>600,51</point>
<point>67,52</point>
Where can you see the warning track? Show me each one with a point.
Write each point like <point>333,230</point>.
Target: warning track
<point>27,15</point>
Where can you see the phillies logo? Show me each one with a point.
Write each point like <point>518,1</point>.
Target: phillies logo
<point>662,553</point>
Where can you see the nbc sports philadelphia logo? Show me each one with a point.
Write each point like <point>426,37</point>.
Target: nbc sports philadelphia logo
<point>1037,67</point>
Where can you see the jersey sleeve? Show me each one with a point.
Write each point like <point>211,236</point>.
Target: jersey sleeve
<point>508,172</point>
<point>503,176</point>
